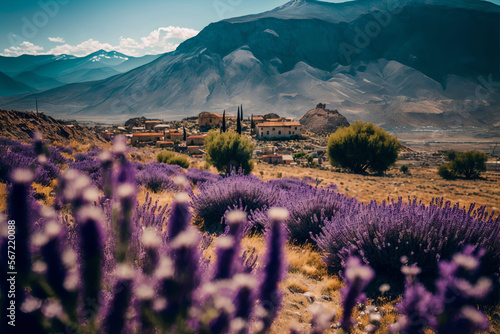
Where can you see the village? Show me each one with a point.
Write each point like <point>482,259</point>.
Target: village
<point>278,140</point>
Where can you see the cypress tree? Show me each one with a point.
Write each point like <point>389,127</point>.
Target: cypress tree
<point>241,112</point>
<point>238,122</point>
<point>184,137</point>
<point>252,124</point>
<point>223,127</point>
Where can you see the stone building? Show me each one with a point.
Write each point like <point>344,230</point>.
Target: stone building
<point>150,125</point>
<point>212,119</point>
<point>139,139</point>
<point>196,140</point>
<point>278,130</point>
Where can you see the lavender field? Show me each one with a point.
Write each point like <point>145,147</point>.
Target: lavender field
<point>99,261</point>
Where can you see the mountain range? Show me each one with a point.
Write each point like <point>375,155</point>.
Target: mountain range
<point>42,72</point>
<point>392,62</point>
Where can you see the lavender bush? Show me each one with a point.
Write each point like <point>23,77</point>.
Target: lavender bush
<point>382,234</point>
<point>197,176</point>
<point>246,192</point>
<point>157,176</point>
<point>14,154</point>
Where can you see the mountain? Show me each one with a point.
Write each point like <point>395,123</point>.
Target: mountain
<point>50,71</point>
<point>9,86</point>
<point>37,81</point>
<point>392,62</point>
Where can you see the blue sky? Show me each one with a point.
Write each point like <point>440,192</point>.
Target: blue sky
<point>135,27</point>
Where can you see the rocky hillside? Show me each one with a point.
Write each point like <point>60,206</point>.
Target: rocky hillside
<point>21,125</point>
<point>323,121</point>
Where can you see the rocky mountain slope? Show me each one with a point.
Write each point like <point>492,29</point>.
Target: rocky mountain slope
<point>20,125</point>
<point>323,121</point>
<point>391,62</point>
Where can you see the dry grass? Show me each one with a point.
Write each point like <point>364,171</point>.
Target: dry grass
<point>424,184</point>
<point>3,197</point>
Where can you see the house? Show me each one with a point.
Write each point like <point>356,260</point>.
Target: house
<point>139,139</point>
<point>196,140</point>
<point>212,119</point>
<point>136,129</point>
<point>108,135</point>
<point>273,159</point>
<point>161,127</point>
<point>279,130</point>
<point>163,143</point>
<point>287,159</point>
<point>192,150</point>
<point>176,136</point>
<point>150,125</point>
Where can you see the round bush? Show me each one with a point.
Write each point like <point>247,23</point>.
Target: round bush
<point>243,191</point>
<point>361,147</point>
<point>229,150</point>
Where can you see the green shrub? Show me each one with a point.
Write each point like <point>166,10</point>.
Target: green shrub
<point>446,173</point>
<point>164,156</point>
<point>229,150</point>
<point>468,165</point>
<point>361,147</point>
<point>180,161</point>
<point>172,158</point>
<point>403,169</point>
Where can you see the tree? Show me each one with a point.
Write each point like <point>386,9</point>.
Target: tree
<point>252,124</point>
<point>238,122</point>
<point>223,127</point>
<point>229,150</point>
<point>184,136</point>
<point>468,164</point>
<point>241,112</point>
<point>361,147</point>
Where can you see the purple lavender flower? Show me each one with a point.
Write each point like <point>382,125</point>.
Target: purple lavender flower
<point>91,238</point>
<point>56,270</point>
<point>126,197</point>
<point>418,306</point>
<point>228,246</point>
<point>20,213</point>
<point>115,320</point>
<point>357,276</point>
<point>274,268</point>
<point>180,216</point>
<point>458,291</point>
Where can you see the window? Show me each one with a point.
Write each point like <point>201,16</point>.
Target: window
<point>274,129</point>
<point>267,132</point>
<point>295,128</point>
<point>294,132</point>
<point>279,132</point>
<point>289,132</point>
<point>210,120</point>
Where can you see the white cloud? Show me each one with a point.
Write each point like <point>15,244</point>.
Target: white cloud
<point>161,40</point>
<point>57,39</point>
<point>23,48</point>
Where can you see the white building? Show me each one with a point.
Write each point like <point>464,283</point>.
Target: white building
<point>279,130</point>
